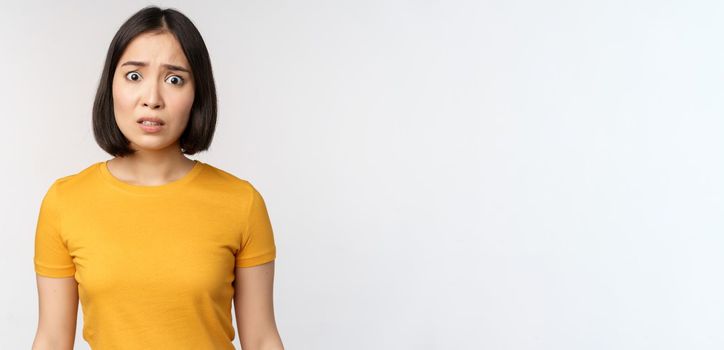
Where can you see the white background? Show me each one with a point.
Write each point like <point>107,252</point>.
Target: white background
<point>439,174</point>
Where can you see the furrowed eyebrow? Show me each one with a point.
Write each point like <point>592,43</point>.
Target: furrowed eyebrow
<point>144,64</point>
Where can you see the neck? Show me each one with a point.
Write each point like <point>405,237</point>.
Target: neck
<point>151,167</point>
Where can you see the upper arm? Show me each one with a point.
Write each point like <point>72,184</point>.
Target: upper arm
<point>58,310</point>
<point>55,277</point>
<point>254,279</point>
<point>257,244</point>
<point>254,306</point>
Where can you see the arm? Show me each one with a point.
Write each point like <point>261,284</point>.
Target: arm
<point>58,311</point>
<point>254,306</point>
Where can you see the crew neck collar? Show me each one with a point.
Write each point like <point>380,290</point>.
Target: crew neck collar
<point>158,189</point>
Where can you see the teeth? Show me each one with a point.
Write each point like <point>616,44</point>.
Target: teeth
<point>146,122</point>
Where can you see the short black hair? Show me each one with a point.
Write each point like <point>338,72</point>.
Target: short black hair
<point>202,119</point>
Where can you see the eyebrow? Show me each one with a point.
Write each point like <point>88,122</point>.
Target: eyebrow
<point>144,64</point>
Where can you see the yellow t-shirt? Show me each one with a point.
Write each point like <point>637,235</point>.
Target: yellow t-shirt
<point>155,265</point>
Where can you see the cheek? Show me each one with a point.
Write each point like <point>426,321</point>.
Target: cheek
<point>182,103</point>
<point>122,100</point>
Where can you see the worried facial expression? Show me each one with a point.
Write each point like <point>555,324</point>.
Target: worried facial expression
<point>153,80</point>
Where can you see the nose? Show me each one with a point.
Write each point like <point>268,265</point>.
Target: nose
<point>152,98</point>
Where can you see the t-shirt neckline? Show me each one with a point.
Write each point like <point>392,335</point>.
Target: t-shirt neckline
<point>158,189</point>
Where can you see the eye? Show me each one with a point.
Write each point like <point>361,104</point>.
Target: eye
<point>175,80</point>
<point>133,76</point>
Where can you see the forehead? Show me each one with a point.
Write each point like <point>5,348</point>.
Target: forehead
<point>155,48</point>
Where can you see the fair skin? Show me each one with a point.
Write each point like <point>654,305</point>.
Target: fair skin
<point>154,84</point>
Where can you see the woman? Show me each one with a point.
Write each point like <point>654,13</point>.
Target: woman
<point>155,245</point>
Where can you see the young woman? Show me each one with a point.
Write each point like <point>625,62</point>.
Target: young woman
<point>153,244</point>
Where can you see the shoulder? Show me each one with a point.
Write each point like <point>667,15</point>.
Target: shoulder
<point>229,180</point>
<point>234,189</point>
<point>68,181</point>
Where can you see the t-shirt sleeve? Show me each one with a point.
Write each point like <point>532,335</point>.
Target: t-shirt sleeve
<point>257,243</point>
<point>52,258</point>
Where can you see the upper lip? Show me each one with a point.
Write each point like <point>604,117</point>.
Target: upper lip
<point>151,119</point>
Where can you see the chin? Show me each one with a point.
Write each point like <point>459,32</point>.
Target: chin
<point>141,146</point>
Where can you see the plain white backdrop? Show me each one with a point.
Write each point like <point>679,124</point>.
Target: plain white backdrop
<point>439,174</point>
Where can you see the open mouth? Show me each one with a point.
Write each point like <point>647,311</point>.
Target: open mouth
<point>149,123</point>
<point>150,127</point>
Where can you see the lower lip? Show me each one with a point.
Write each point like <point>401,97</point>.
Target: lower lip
<point>150,128</point>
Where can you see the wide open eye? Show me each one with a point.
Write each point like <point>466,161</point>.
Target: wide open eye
<point>175,80</point>
<point>133,76</point>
